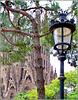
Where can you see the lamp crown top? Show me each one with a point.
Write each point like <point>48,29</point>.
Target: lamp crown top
<point>63,13</point>
<point>62,19</point>
<point>62,16</point>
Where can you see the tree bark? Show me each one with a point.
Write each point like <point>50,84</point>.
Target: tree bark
<point>38,58</point>
<point>39,69</point>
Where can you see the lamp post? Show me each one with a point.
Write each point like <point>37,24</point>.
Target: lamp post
<point>62,32</point>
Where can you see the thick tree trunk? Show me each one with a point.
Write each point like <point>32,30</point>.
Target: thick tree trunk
<point>39,69</point>
<point>38,64</point>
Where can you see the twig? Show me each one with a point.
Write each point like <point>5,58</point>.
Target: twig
<point>11,37</point>
<point>20,18</point>
<point>45,34</point>
<point>11,21</point>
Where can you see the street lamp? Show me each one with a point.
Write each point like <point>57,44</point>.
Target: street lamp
<point>62,32</point>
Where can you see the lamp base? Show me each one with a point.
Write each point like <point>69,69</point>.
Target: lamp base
<point>62,57</point>
<point>61,78</point>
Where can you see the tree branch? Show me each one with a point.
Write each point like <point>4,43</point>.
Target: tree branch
<point>12,36</point>
<point>10,42</point>
<point>20,18</point>
<point>11,21</point>
<point>6,51</point>
<point>45,34</point>
<point>39,8</point>
<point>16,31</point>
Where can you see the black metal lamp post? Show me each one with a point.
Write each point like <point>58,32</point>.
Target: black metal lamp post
<point>62,31</point>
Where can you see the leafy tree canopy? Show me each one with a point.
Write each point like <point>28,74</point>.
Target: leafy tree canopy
<point>71,79</point>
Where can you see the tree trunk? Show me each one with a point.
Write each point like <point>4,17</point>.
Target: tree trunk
<point>39,69</point>
<point>38,15</point>
<point>38,58</point>
<point>38,64</point>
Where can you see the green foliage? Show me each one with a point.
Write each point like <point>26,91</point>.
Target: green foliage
<point>74,8</point>
<point>22,4</point>
<point>49,93</point>
<point>75,33</point>
<point>71,83</point>
<point>53,89</point>
<point>31,94</point>
<point>20,96</point>
<point>54,6</point>
<point>5,21</point>
<point>15,54</point>
<point>22,21</point>
<point>73,95</point>
<point>71,79</point>
<point>47,42</point>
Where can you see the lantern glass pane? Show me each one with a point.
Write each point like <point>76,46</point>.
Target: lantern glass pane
<point>58,36</point>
